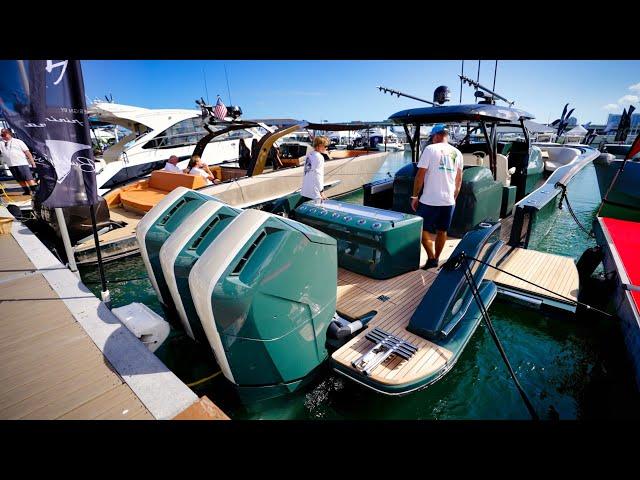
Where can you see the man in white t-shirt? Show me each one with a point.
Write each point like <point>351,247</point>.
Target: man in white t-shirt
<point>313,179</point>
<point>16,155</point>
<point>172,165</point>
<point>440,171</point>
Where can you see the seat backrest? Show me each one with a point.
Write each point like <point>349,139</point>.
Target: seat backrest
<point>217,171</point>
<point>470,160</point>
<point>502,169</point>
<point>168,181</point>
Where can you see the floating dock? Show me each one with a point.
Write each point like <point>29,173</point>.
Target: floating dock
<point>64,355</point>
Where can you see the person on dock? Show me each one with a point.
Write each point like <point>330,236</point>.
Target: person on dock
<point>18,158</point>
<point>172,165</point>
<point>198,167</point>
<point>440,172</point>
<point>313,179</point>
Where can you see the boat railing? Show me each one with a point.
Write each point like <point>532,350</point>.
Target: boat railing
<point>529,209</point>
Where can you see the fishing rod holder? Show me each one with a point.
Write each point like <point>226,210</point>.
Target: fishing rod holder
<point>492,95</point>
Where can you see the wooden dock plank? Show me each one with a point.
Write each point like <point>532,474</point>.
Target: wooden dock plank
<point>119,397</point>
<point>49,367</point>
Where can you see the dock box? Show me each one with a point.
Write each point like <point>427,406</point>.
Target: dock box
<point>372,242</point>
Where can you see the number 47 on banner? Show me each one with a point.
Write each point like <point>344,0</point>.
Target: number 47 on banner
<point>50,66</point>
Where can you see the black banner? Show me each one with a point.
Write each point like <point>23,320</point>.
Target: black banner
<point>624,125</point>
<point>43,103</point>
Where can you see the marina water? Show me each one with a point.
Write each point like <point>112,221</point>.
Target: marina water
<point>570,367</point>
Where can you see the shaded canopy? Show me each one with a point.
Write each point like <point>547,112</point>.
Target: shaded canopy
<point>458,113</point>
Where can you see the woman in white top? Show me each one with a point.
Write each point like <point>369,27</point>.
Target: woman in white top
<point>198,167</point>
<point>313,180</point>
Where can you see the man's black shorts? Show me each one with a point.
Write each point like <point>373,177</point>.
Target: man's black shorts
<point>435,218</point>
<point>21,173</point>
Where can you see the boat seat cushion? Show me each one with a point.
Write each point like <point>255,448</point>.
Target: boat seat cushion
<point>141,201</point>
<point>291,162</point>
<point>503,175</point>
<point>472,160</point>
<point>168,181</point>
<point>217,171</point>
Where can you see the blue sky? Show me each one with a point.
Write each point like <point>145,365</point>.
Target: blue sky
<point>345,90</point>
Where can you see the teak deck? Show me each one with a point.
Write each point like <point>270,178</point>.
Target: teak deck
<point>117,214</point>
<point>554,272</point>
<point>358,295</point>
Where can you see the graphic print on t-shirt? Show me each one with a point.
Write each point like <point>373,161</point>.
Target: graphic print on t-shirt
<point>448,163</point>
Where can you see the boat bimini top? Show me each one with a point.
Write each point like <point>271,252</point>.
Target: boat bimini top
<point>461,113</point>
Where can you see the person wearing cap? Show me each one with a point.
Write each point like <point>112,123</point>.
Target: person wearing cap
<point>440,173</point>
<point>18,158</point>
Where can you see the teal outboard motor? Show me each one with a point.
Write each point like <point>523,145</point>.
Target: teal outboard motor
<point>265,293</point>
<point>183,249</point>
<point>156,226</point>
<point>445,304</point>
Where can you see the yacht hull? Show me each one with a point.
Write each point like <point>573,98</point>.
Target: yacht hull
<point>350,173</point>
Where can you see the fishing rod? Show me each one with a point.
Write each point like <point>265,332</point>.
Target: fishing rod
<point>399,94</point>
<point>477,85</point>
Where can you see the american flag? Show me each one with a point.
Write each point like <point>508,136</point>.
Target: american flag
<point>220,111</point>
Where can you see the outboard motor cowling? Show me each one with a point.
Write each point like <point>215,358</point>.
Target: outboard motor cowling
<point>183,249</point>
<point>265,291</point>
<point>156,226</point>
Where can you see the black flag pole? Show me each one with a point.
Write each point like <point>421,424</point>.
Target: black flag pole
<point>105,295</point>
<point>43,102</point>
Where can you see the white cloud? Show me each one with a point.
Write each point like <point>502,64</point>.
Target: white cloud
<point>611,106</point>
<point>628,99</point>
<point>635,88</point>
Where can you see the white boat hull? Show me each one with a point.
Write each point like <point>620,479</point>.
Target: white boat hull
<point>350,173</point>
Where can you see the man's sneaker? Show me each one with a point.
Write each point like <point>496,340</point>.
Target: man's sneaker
<point>431,263</point>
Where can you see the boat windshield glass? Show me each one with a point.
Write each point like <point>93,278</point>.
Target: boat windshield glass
<point>189,132</point>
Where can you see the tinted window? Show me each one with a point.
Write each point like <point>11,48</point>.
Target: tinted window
<point>186,132</point>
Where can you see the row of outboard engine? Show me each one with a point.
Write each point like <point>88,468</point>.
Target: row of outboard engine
<point>238,280</point>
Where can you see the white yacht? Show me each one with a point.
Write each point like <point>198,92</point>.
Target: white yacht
<point>155,135</point>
